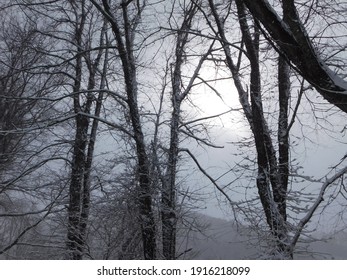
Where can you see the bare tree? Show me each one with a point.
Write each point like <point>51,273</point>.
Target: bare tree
<point>180,92</point>
<point>296,46</point>
<point>84,141</point>
<point>74,72</point>
<point>124,31</point>
<point>273,165</point>
<point>24,92</point>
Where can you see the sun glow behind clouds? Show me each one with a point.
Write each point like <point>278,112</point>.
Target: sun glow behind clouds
<point>215,95</point>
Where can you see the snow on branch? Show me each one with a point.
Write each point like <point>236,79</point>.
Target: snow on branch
<point>318,201</point>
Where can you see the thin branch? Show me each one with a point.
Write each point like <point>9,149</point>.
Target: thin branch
<point>113,125</point>
<point>200,140</point>
<point>49,211</point>
<point>208,117</point>
<point>213,181</point>
<point>314,207</point>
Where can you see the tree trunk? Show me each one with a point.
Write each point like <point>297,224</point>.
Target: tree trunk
<point>295,45</point>
<point>283,134</point>
<point>78,161</point>
<point>273,202</point>
<point>125,44</point>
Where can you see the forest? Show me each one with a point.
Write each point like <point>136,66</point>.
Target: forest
<point>122,122</point>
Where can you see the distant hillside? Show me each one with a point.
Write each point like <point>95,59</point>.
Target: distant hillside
<point>213,238</point>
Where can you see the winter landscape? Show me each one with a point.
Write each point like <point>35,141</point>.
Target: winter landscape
<point>173,129</point>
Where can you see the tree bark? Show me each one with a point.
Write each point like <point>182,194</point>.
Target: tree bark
<point>83,151</point>
<point>283,134</point>
<point>272,199</point>
<point>75,192</point>
<point>125,44</point>
<point>295,45</point>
